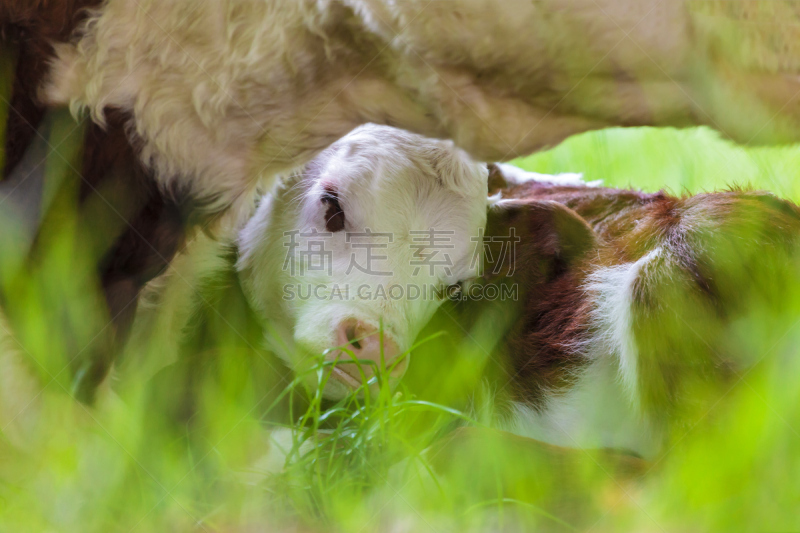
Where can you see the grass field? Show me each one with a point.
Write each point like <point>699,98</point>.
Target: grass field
<point>181,448</point>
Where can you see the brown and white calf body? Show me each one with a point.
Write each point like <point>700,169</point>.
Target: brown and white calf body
<point>626,300</point>
<point>630,303</point>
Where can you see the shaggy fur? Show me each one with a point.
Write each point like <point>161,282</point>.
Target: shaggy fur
<point>226,94</point>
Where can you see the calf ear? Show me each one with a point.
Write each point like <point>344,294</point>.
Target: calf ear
<point>497,180</point>
<point>542,229</point>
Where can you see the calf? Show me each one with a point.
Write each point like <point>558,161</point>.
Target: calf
<point>624,299</point>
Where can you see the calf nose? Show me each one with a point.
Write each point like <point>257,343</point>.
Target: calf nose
<point>366,343</point>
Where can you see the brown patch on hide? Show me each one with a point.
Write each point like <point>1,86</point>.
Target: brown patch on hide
<point>714,257</point>
<point>544,344</point>
<point>547,350</point>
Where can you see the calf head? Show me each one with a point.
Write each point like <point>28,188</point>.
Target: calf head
<point>350,257</point>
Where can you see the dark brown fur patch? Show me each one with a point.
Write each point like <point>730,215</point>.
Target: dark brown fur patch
<point>544,345</point>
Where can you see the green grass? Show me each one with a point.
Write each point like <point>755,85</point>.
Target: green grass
<point>182,449</point>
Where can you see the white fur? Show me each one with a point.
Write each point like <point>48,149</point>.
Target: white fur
<point>611,289</point>
<point>602,409</point>
<point>226,94</point>
<point>516,176</point>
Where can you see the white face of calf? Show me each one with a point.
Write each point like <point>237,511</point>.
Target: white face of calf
<point>358,251</point>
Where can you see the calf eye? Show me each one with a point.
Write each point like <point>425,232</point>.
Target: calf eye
<point>334,215</point>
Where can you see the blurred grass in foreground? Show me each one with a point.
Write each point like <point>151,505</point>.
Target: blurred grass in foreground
<point>185,449</point>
